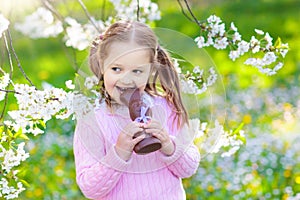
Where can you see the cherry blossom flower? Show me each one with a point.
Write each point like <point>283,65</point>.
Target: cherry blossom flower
<point>40,24</point>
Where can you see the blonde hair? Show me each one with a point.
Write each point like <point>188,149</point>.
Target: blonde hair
<point>165,75</point>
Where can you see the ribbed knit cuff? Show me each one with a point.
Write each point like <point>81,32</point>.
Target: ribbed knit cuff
<point>179,150</point>
<point>112,160</point>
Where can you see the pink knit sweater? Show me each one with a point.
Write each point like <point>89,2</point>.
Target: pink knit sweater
<point>101,174</point>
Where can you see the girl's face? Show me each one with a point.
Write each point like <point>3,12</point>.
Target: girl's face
<point>126,67</point>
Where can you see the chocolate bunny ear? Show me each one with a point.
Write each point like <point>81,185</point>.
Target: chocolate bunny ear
<point>127,94</point>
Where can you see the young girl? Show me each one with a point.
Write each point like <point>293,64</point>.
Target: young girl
<point>128,56</point>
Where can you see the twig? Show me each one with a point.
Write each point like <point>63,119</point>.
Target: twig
<point>138,11</point>
<point>10,74</point>
<point>88,15</point>
<point>183,12</point>
<point>9,91</point>
<point>192,14</point>
<point>49,6</point>
<point>18,61</point>
<point>9,55</point>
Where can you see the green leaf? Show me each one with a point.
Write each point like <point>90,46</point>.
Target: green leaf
<point>278,43</point>
<point>236,131</point>
<point>25,183</point>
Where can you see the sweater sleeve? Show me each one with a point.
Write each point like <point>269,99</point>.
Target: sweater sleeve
<point>185,160</point>
<point>95,175</point>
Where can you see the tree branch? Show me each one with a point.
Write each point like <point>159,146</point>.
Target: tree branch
<point>194,19</point>
<point>183,12</point>
<point>88,15</point>
<point>9,91</point>
<point>49,6</point>
<point>17,59</point>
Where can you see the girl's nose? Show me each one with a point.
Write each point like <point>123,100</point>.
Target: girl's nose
<point>126,79</point>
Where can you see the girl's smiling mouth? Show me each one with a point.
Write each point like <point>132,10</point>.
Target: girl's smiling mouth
<point>125,89</point>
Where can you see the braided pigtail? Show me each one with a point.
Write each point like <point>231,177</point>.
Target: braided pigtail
<point>169,82</point>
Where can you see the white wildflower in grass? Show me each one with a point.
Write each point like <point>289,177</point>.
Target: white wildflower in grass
<point>4,23</point>
<point>40,24</point>
<point>4,81</point>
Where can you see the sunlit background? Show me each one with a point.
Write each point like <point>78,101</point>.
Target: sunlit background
<point>266,167</point>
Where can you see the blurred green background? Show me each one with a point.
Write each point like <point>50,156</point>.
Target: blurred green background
<point>267,167</point>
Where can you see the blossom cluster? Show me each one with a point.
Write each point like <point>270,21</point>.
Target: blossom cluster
<point>194,82</point>
<point>127,9</point>
<point>10,192</point>
<point>11,157</point>
<point>216,139</point>
<point>42,23</point>
<point>36,107</point>
<point>213,33</point>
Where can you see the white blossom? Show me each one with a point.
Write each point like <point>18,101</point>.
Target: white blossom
<point>269,58</point>
<point>200,41</point>
<point>40,24</point>
<point>4,23</point>
<point>80,36</point>
<point>259,32</point>
<point>212,77</point>
<point>127,10</point>
<point>4,81</point>
<point>70,85</point>
<point>283,51</point>
<point>10,192</point>
<point>233,27</point>
<point>214,19</point>
<point>234,55</point>
<point>197,70</point>
<point>90,82</point>
<point>221,43</point>
<point>243,47</point>
<point>254,45</point>
<point>236,37</point>
<point>269,39</point>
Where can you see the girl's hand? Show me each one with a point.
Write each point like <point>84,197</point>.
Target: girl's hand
<point>125,142</point>
<point>155,129</point>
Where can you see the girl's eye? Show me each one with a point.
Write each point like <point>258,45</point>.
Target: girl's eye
<point>137,71</point>
<point>116,69</point>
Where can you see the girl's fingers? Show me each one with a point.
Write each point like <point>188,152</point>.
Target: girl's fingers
<point>138,139</point>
